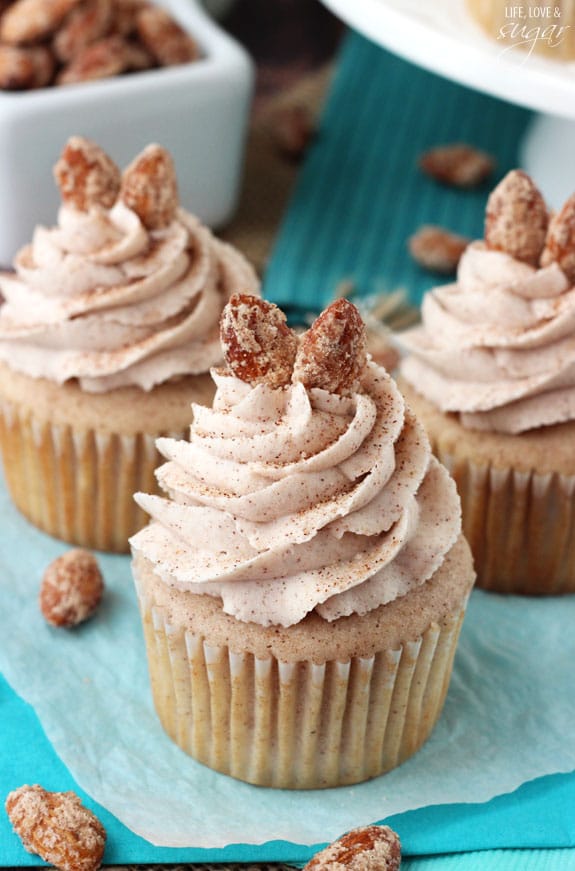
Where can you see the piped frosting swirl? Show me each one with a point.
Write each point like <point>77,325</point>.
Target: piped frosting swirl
<point>127,289</point>
<point>497,347</point>
<point>297,498</point>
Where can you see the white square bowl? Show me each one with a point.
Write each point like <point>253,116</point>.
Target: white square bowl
<point>198,111</point>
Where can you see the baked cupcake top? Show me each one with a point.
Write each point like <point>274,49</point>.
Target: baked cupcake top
<point>127,289</point>
<point>497,347</point>
<point>307,486</point>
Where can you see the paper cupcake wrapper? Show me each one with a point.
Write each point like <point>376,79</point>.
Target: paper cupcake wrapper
<point>520,526</point>
<point>77,485</point>
<point>297,725</point>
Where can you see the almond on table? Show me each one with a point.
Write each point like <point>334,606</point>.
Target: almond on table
<point>57,827</point>
<point>369,848</point>
<point>458,165</point>
<point>71,588</point>
<point>437,249</point>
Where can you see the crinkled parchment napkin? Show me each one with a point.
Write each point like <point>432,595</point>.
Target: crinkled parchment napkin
<point>509,715</point>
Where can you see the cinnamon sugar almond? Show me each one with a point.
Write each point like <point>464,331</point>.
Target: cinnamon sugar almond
<point>458,165</point>
<point>257,343</point>
<point>368,848</point>
<point>57,827</point>
<point>437,249</point>
<point>560,241</point>
<point>71,588</point>
<point>516,218</point>
<point>332,353</point>
<point>150,188</point>
<point>86,176</point>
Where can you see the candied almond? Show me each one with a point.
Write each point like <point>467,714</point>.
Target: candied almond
<point>150,188</point>
<point>292,128</point>
<point>86,176</point>
<point>101,59</point>
<point>124,15</point>
<point>257,343</point>
<point>332,353</point>
<point>560,241</point>
<point>516,218</point>
<point>369,848</point>
<point>27,21</point>
<point>437,249</point>
<point>84,25</point>
<point>57,827</point>
<point>459,165</point>
<point>25,68</point>
<point>71,588</point>
<point>164,38</point>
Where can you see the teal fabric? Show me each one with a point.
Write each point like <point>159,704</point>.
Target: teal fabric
<point>360,194</point>
<point>358,198</point>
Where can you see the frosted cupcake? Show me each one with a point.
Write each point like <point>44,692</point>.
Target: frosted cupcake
<point>107,334</point>
<point>303,584</point>
<point>491,374</point>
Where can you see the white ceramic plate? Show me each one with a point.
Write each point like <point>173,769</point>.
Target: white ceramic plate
<point>440,36</point>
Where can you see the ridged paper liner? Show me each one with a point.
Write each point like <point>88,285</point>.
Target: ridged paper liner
<point>297,725</point>
<point>77,485</point>
<point>520,526</point>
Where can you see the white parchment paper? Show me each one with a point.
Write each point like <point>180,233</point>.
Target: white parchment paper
<point>509,715</point>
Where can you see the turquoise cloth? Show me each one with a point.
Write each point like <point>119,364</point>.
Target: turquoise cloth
<point>360,194</point>
<point>358,198</point>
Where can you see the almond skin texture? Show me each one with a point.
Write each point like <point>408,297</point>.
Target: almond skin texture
<point>332,353</point>
<point>370,848</point>
<point>57,827</point>
<point>86,175</point>
<point>560,242</point>
<point>258,345</point>
<point>163,37</point>
<point>516,218</point>
<point>437,249</point>
<point>71,589</point>
<point>150,188</point>
<point>29,21</point>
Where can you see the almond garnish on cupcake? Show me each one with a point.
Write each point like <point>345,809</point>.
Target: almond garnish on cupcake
<point>109,328</point>
<point>491,372</point>
<point>306,537</point>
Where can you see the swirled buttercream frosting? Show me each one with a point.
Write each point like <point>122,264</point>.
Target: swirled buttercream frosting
<point>497,347</point>
<point>127,289</point>
<point>293,498</point>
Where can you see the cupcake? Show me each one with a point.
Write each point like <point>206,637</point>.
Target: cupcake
<point>540,29</point>
<point>303,583</point>
<point>490,372</point>
<point>108,329</point>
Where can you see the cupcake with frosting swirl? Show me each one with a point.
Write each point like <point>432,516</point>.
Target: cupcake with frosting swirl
<point>108,330</point>
<point>491,374</point>
<point>303,580</point>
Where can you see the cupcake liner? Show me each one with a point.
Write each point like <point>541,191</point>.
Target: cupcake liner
<point>520,525</point>
<point>296,725</point>
<point>77,485</point>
